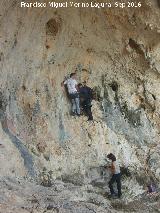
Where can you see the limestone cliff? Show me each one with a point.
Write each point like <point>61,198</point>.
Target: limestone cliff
<point>117,51</point>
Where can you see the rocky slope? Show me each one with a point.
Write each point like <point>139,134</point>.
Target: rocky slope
<point>117,51</point>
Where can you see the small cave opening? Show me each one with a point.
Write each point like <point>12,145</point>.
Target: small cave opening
<point>24,88</point>
<point>52,27</point>
<point>154,97</point>
<point>133,44</point>
<point>114,86</point>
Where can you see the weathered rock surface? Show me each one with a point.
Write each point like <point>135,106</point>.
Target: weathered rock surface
<point>20,196</point>
<point>117,51</point>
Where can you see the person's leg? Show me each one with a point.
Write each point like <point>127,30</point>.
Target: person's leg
<point>77,103</point>
<point>89,113</point>
<point>88,109</point>
<point>112,180</point>
<point>118,180</point>
<point>73,106</point>
<point>83,106</point>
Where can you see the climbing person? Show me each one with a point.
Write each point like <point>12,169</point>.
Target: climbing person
<point>116,176</point>
<point>72,87</point>
<point>85,93</point>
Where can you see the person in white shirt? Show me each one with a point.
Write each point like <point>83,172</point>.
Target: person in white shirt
<point>116,175</point>
<point>72,87</point>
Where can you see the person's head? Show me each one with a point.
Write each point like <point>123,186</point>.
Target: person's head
<point>111,157</point>
<point>80,85</point>
<point>73,75</point>
<point>84,83</point>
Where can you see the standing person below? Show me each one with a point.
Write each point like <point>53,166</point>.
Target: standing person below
<point>72,87</point>
<point>116,175</point>
<point>86,99</point>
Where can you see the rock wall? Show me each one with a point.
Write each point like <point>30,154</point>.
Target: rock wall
<point>117,51</point>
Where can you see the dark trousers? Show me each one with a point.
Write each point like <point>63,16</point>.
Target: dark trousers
<point>115,178</point>
<point>86,105</point>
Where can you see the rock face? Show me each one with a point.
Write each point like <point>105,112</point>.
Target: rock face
<point>23,197</point>
<point>117,51</point>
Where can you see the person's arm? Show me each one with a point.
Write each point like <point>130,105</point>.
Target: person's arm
<point>113,168</point>
<point>64,83</point>
<point>76,85</point>
<point>107,166</point>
